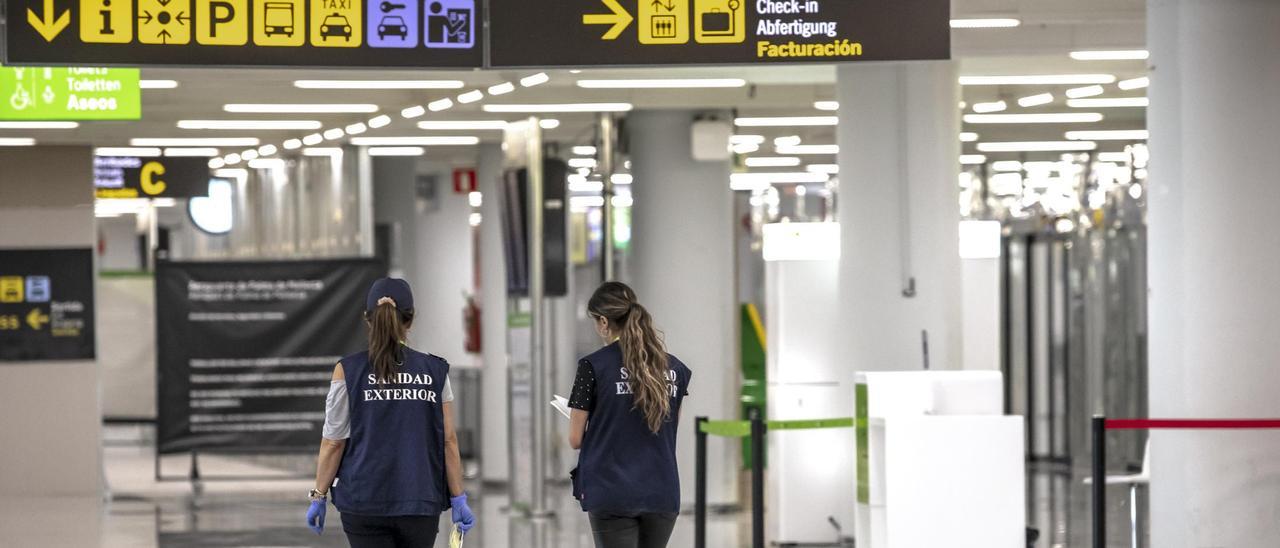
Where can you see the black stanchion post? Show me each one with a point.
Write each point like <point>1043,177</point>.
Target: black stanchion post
<point>700,485</point>
<point>757,479</point>
<point>1099,481</point>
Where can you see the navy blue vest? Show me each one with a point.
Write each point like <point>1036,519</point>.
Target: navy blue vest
<point>394,460</point>
<point>624,466</point>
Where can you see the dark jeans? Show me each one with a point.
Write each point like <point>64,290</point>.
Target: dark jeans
<point>622,530</point>
<point>390,532</point>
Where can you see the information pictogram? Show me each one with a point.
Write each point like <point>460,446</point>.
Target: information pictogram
<point>164,21</point>
<point>336,23</point>
<point>392,23</point>
<point>719,21</point>
<point>619,19</point>
<point>450,23</point>
<point>664,21</point>
<point>279,22</point>
<point>222,22</point>
<point>11,289</point>
<point>106,21</point>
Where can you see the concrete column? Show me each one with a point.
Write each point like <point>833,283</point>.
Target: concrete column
<point>494,463</point>
<point>898,211</point>
<point>682,270</point>
<point>49,411</point>
<point>1214,260</point>
<point>444,266</point>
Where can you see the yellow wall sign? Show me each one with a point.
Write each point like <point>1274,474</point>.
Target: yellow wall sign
<point>222,22</point>
<point>279,22</point>
<point>664,21</point>
<point>336,23</point>
<point>164,21</point>
<point>11,289</point>
<point>719,21</point>
<point>106,21</point>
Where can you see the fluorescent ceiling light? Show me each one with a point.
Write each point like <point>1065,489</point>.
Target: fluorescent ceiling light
<point>788,141</point>
<point>17,142</point>
<point>549,123</point>
<point>378,84</point>
<point>1006,165</point>
<point>1044,118</point>
<point>1134,83</point>
<point>827,105</point>
<point>823,168</point>
<point>267,163</point>
<point>322,151</point>
<point>744,148</point>
<point>968,136</point>
<point>249,124</point>
<point>1035,100</point>
<point>415,141</point>
<point>562,107</point>
<point>396,151</point>
<point>989,23</point>
<point>413,112</point>
<point>141,152</point>
<point>534,79</point>
<point>194,142</point>
<point>216,163</point>
<point>440,104</point>
<point>231,159</point>
<point>301,108</point>
<point>582,162</point>
<point>379,121</point>
<point>783,121</point>
<point>584,150</point>
<point>357,128</point>
<point>808,149</point>
<point>502,89</point>
<point>1038,146</point>
<point>582,185</point>
<point>663,83</point>
<point>1038,80</point>
<point>462,125</point>
<point>293,144</point>
<point>772,161</point>
<point>972,159</point>
<point>157,84</point>
<point>39,125</point>
<point>191,152</point>
<point>753,139</point>
<point>471,96</point>
<point>1113,157</point>
<point>991,106</point>
<point>621,178</point>
<point>759,181</point>
<point>1109,135</point>
<point>267,150</point>
<point>334,134</point>
<point>313,139</point>
<point>1110,55</point>
<point>578,203</point>
<point>1109,102</point>
<point>249,154</point>
<point>1087,91</point>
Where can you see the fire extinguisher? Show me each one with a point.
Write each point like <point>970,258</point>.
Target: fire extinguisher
<point>471,323</point>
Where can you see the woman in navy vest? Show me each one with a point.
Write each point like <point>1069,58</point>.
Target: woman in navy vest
<point>626,406</point>
<point>389,452</point>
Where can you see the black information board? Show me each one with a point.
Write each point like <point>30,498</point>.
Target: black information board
<point>715,32</point>
<point>245,350</point>
<point>326,33</point>
<point>134,177</point>
<point>46,304</point>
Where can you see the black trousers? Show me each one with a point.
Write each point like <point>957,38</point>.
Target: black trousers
<point>390,532</point>
<point>621,530</point>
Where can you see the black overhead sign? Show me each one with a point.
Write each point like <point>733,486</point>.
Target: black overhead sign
<point>715,32</point>
<point>134,177</point>
<point>329,33</point>
<point>46,304</point>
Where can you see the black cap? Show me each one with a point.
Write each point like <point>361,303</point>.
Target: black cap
<point>392,288</point>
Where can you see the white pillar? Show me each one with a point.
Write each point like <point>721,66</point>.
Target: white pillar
<point>1214,262</point>
<point>682,270</point>
<point>899,213</point>
<point>493,317</point>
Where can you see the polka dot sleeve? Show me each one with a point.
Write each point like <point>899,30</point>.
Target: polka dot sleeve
<point>584,388</point>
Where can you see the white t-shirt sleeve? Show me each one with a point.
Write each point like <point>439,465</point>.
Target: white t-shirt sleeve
<point>447,393</point>
<point>337,412</point>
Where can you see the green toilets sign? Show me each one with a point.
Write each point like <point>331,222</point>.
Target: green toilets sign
<point>69,93</point>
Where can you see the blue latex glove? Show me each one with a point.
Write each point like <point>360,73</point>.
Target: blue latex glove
<point>315,515</point>
<point>462,516</point>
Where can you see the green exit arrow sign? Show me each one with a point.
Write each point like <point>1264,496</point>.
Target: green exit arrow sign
<point>69,93</point>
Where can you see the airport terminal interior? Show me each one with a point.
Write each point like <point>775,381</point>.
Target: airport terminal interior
<point>947,273</point>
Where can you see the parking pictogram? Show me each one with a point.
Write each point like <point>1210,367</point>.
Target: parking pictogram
<point>222,22</point>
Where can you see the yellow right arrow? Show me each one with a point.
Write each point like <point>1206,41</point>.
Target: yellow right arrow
<point>619,19</point>
<point>49,25</point>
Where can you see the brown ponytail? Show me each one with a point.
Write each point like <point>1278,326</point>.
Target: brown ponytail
<point>387,328</point>
<point>643,352</point>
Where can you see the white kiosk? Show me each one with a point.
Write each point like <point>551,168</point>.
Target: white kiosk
<point>938,463</point>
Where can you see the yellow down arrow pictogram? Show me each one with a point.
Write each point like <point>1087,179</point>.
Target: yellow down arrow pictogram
<point>49,25</point>
<point>619,19</point>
